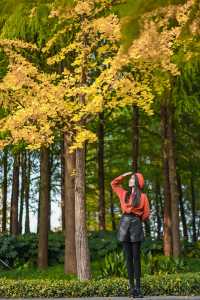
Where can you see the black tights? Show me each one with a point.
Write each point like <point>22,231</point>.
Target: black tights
<point>133,263</point>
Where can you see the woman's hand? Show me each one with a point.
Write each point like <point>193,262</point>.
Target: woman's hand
<point>127,173</point>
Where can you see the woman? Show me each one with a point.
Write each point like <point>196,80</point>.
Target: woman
<point>135,209</point>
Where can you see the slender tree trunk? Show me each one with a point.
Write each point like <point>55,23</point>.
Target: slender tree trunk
<point>15,195</point>
<point>27,189</point>
<point>135,139</point>
<point>158,213</point>
<point>194,235</point>
<point>112,210</point>
<point>49,184</point>
<point>102,225</point>
<point>69,205</point>
<point>44,209</point>
<point>38,215</point>
<point>167,234</point>
<point>62,163</point>
<point>81,238</point>
<point>198,231</point>
<point>82,248</point>
<point>23,174</point>
<point>183,218</point>
<point>4,190</point>
<point>173,184</point>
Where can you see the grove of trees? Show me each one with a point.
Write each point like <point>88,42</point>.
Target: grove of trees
<point>88,90</point>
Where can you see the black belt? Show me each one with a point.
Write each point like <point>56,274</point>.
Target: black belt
<point>131,214</point>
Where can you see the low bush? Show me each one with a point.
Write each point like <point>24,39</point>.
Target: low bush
<point>114,264</point>
<point>173,284</point>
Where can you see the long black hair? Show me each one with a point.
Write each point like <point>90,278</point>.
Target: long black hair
<point>136,195</point>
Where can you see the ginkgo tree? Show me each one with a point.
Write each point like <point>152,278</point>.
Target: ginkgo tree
<point>95,76</point>
<point>168,39</point>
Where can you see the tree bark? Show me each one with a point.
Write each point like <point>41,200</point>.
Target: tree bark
<point>62,163</point>
<point>4,190</point>
<point>27,190</point>
<point>82,248</point>
<point>194,234</point>
<point>69,206</point>
<point>49,184</point>
<point>173,184</point>
<point>112,210</point>
<point>167,234</point>
<point>135,137</point>
<point>44,209</point>
<point>158,213</point>
<point>15,195</point>
<point>101,208</point>
<point>23,174</point>
<point>183,218</point>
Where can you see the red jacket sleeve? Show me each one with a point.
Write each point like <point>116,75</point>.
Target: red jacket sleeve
<point>146,212</point>
<point>118,189</point>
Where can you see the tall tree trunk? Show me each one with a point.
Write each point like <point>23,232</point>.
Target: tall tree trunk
<point>15,195</point>
<point>173,184</point>
<point>101,209</point>
<point>44,209</point>
<point>62,163</point>
<point>23,174</point>
<point>112,210</point>
<point>183,218</point>
<point>4,189</point>
<point>69,206</point>
<point>167,234</point>
<point>38,215</point>
<point>194,235</point>
<point>158,213</point>
<point>82,247</point>
<point>135,137</point>
<point>147,229</point>
<point>49,184</point>
<point>27,190</point>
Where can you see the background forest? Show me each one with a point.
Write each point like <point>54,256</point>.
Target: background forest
<point>90,90</point>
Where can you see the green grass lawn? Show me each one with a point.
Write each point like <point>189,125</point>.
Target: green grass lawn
<point>53,272</point>
<point>57,272</point>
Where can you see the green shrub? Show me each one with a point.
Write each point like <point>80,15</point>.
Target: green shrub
<point>102,243</point>
<point>191,250</point>
<point>114,264</point>
<point>163,264</point>
<point>182,284</point>
<point>21,251</point>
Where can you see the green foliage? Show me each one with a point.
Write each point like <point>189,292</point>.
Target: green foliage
<point>160,264</point>
<point>28,272</point>
<point>21,251</point>
<point>132,10</point>
<point>101,243</point>
<point>184,284</point>
<point>114,264</point>
<point>192,250</point>
<point>3,64</point>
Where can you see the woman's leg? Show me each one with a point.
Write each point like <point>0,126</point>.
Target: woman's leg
<point>137,262</point>
<point>127,248</point>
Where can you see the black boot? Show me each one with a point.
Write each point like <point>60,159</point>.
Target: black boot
<point>137,293</point>
<point>131,288</point>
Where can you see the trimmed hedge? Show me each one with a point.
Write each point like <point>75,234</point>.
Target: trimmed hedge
<point>176,284</point>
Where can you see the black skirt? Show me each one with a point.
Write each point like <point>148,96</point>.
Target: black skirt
<point>130,228</point>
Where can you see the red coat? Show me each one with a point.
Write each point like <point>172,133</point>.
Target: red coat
<point>143,209</point>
